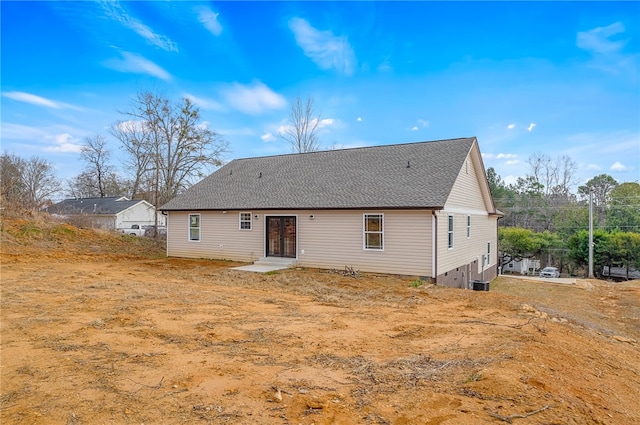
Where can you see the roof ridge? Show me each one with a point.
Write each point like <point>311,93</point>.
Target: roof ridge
<point>356,148</point>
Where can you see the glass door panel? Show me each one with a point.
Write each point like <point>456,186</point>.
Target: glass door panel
<point>281,237</point>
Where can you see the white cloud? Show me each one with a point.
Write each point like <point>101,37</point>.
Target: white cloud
<point>252,99</point>
<point>38,100</point>
<point>116,12</point>
<point>530,128</point>
<point>414,128</point>
<point>36,136</point>
<point>204,103</point>
<point>284,129</point>
<point>268,137</point>
<point>132,126</point>
<point>511,126</point>
<point>510,157</point>
<point>209,19</point>
<point>618,166</point>
<point>598,41</point>
<point>423,123</point>
<point>359,119</point>
<point>31,98</point>
<point>64,143</point>
<point>136,64</point>
<point>324,122</point>
<point>322,47</point>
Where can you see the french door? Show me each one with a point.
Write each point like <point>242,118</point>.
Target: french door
<point>281,237</point>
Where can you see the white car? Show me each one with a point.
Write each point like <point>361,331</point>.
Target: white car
<point>549,272</point>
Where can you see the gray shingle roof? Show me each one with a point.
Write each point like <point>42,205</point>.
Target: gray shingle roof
<point>98,206</point>
<point>412,175</point>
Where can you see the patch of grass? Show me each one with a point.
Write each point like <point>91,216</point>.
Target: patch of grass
<point>272,272</point>
<point>474,377</point>
<point>415,283</point>
<point>30,230</point>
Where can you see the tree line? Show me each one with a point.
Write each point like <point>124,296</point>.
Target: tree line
<point>165,147</point>
<point>164,144</point>
<point>545,219</point>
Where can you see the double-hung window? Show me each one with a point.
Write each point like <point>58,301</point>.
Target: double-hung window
<point>245,221</point>
<point>450,233</point>
<point>374,231</point>
<point>194,227</point>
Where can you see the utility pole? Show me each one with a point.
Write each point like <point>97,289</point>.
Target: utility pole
<point>591,233</point>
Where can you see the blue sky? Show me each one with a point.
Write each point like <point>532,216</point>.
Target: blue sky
<point>560,78</point>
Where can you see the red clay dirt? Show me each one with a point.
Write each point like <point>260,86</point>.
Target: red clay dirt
<point>99,328</point>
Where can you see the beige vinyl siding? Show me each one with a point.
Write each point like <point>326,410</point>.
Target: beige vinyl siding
<point>331,239</point>
<point>220,236</point>
<point>466,192</point>
<point>465,250</point>
<point>466,200</point>
<point>334,239</point>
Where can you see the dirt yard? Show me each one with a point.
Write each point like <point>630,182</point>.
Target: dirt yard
<point>102,329</point>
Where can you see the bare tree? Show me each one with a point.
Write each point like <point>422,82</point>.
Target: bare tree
<point>135,139</point>
<point>301,132</point>
<point>27,184</point>
<point>555,175</point>
<point>40,182</point>
<point>84,185</point>
<point>167,145</point>
<point>96,156</point>
<point>11,184</point>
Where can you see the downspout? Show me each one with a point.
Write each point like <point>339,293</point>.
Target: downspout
<point>434,246</point>
<point>498,256</point>
<point>166,223</point>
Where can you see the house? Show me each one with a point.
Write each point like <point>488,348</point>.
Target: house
<point>108,213</point>
<point>420,209</point>
<point>525,266</point>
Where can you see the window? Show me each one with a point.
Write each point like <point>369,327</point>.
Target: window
<point>450,233</point>
<point>488,253</point>
<point>194,227</point>
<point>373,231</point>
<point>468,226</point>
<point>245,221</point>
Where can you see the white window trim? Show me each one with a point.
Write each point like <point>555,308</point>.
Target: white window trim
<point>468,226</point>
<point>364,232</point>
<point>450,229</point>
<point>199,228</point>
<point>250,221</point>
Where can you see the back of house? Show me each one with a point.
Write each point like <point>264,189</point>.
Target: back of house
<point>421,209</point>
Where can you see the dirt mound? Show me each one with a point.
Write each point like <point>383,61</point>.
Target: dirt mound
<point>49,238</point>
<point>100,328</point>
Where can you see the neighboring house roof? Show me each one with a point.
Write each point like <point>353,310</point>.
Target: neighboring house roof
<point>92,206</point>
<point>412,175</point>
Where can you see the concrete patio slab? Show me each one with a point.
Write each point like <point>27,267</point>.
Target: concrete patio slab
<point>267,264</point>
<point>260,268</point>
